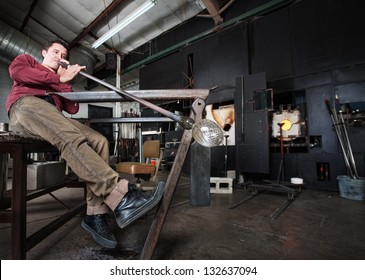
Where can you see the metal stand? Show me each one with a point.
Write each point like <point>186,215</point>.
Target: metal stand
<point>281,172</point>
<point>277,186</point>
<point>273,186</point>
<point>226,156</point>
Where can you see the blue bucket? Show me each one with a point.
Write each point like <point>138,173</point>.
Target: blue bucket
<point>351,188</point>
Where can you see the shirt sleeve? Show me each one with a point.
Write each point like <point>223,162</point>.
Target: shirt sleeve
<point>25,70</point>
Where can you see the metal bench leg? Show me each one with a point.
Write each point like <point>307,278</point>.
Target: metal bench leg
<point>19,204</point>
<point>171,183</point>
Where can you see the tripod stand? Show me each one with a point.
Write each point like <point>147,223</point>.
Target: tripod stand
<point>281,172</point>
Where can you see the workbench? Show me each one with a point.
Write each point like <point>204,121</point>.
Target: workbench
<point>19,148</point>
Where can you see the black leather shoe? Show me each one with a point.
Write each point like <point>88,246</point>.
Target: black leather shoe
<point>97,226</point>
<point>137,203</point>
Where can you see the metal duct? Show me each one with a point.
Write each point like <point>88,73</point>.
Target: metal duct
<point>82,56</point>
<point>14,43</point>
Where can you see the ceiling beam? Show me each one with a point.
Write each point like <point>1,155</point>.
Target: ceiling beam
<point>25,21</point>
<point>213,9</point>
<point>95,22</point>
<point>45,27</point>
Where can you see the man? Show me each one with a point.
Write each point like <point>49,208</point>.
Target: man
<point>35,114</point>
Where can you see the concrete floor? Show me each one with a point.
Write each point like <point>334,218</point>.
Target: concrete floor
<point>316,225</point>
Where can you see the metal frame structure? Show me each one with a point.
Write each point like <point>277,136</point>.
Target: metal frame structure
<point>199,96</point>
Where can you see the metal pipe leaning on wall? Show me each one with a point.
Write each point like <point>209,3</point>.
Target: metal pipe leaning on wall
<point>341,131</point>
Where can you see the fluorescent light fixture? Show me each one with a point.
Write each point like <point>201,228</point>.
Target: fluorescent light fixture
<point>127,20</point>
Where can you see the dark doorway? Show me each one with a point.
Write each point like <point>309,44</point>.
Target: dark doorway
<point>98,112</point>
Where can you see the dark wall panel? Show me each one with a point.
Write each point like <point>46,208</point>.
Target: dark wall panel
<point>204,61</point>
<point>319,119</point>
<point>271,49</point>
<point>164,73</point>
<point>326,34</point>
<point>217,60</point>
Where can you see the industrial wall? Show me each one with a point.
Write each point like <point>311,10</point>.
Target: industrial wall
<point>5,86</point>
<point>310,51</point>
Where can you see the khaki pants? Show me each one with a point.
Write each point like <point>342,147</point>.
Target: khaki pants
<point>85,150</point>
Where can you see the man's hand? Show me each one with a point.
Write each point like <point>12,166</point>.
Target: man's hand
<point>67,74</point>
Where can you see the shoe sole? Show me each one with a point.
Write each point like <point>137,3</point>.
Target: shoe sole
<point>139,212</point>
<point>98,239</point>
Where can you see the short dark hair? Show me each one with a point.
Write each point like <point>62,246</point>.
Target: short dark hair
<point>55,41</point>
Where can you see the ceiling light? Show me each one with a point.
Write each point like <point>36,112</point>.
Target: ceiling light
<point>127,20</point>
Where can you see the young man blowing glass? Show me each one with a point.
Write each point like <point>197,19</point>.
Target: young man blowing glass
<point>35,114</point>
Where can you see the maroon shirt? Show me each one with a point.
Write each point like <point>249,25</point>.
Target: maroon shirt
<point>32,78</point>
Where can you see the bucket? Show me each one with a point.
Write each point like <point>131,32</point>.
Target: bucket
<point>4,127</point>
<point>351,188</point>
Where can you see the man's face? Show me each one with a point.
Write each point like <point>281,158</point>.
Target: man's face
<point>52,56</point>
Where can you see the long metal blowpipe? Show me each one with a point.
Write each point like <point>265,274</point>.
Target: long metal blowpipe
<point>205,132</point>
<point>185,122</point>
<point>348,144</point>
<point>340,139</point>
